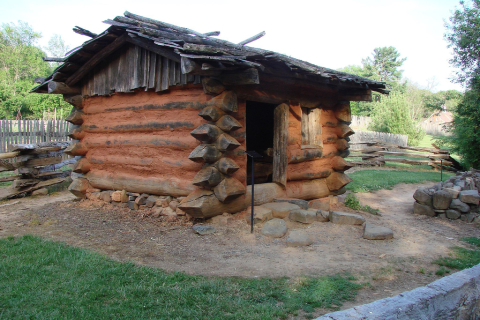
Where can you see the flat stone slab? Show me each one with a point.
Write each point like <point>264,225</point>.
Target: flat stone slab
<point>452,214</point>
<point>338,217</point>
<point>275,228</point>
<point>470,196</point>
<point>459,205</point>
<point>280,209</point>
<point>442,200</point>
<point>298,238</point>
<point>373,232</point>
<point>321,204</point>
<point>303,216</point>
<point>299,202</point>
<point>453,192</point>
<point>322,215</point>
<point>260,214</point>
<point>203,230</point>
<point>423,196</point>
<point>422,209</point>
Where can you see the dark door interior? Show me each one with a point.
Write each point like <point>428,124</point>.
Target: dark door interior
<point>259,128</point>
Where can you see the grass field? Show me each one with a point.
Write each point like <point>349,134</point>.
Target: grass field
<point>372,180</point>
<point>46,280</point>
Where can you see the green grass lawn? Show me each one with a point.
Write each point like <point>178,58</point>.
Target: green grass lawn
<point>372,180</point>
<point>461,258</point>
<point>47,280</point>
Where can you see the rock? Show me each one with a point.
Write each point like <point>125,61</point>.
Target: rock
<point>180,212</point>
<point>338,217</point>
<point>470,196</point>
<point>453,214</point>
<point>460,183</point>
<point>163,201</point>
<point>142,207</point>
<point>105,196</point>
<point>373,232</point>
<point>448,185</point>
<point>321,215</point>
<point>142,199</point>
<point>303,216</point>
<point>151,201</point>
<point>274,228</point>
<point>453,192</point>
<point>298,238</point>
<point>438,186</point>
<point>40,192</point>
<point>442,215</point>
<point>470,184</point>
<point>203,230</point>
<point>173,204</point>
<point>299,202</point>
<point>220,220</point>
<point>422,196</point>
<point>157,212</point>
<point>280,209</point>
<point>441,200</point>
<point>459,205</point>
<point>469,217</point>
<point>322,204</point>
<point>132,205</point>
<point>260,214</point>
<point>117,196</point>
<point>457,188</point>
<point>169,212</point>
<point>341,198</point>
<point>422,209</point>
<point>476,221</point>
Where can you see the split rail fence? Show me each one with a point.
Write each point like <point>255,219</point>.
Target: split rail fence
<point>376,153</point>
<point>32,131</point>
<point>35,166</point>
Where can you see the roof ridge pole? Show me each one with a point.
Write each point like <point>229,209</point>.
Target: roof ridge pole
<point>163,24</point>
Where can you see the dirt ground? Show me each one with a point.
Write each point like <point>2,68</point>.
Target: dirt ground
<point>390,267</point>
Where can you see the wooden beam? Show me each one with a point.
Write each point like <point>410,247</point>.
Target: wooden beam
<point>251,39</point>
<point>280,142</point>
<point>148,45</point>
<point>84,32</point>
<point>62,88</point>
<point>96,59</point>
<point>244,77</point>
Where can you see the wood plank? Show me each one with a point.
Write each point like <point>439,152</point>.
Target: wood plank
<point>96,59</point>
<point>280,143</point>
<point>165,74</point>
<point>152,68</point>
<point>10,192</point>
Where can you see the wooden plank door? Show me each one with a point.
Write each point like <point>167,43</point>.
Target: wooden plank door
<point>280,142</point>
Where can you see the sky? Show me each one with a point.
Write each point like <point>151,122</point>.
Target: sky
<point>330,34</point>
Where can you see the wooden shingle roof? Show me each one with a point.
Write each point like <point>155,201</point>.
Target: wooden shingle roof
<point>198,55</point>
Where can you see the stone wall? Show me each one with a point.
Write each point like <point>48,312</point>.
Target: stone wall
<point>454,297</point>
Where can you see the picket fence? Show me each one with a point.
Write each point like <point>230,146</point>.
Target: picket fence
<point>32,131</point>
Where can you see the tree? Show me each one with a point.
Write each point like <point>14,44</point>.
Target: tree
<point>21,62</point>
<point>384,65</point>
<point>463,35</point>
<point>393,115</point>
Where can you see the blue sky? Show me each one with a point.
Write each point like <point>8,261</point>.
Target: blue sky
<point>331,34</point>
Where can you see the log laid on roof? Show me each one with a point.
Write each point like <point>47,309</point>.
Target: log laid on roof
<point>251,39</point>
<point>53,59</point>
<point>84,32</point>
<point>162,24</point>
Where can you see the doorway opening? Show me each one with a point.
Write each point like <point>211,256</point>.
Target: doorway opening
<point>259,127</point>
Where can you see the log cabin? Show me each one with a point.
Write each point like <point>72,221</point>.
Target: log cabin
<point>165,110</point>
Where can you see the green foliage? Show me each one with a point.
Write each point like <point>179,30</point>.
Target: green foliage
<point>393,115</point>
<point>47,280</point>
<point>372,180</point>
<point>384,65</point>
<point>352,202</point>
<point>462,258</point>
<point>465,128</point>
<point>20,63</point>
<point>463,36</point>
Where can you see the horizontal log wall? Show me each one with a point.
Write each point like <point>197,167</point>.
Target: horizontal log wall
<point>136,68</point>
<point>141,142</point>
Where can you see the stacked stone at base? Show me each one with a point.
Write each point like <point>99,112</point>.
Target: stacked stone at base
<point>456,198</point>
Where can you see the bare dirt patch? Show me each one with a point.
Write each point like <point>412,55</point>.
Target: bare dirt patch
<point>390,266</point>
